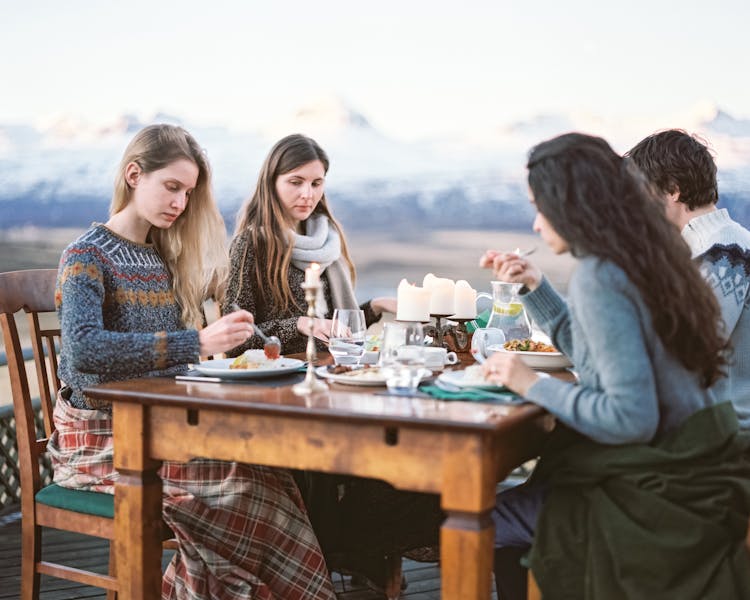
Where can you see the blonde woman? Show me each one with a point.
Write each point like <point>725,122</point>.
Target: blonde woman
<point>129,299</point>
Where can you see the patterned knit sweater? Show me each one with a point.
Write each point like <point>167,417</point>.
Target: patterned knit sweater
<point>723,247</point>
<point>118,315</point>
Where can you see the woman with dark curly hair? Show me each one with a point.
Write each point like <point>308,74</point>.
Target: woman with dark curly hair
<point>644,463</point>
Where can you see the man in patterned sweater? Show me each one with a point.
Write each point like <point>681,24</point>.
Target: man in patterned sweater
<point>682,169</point>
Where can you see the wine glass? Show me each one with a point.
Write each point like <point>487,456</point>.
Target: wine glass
<point>348,334</point>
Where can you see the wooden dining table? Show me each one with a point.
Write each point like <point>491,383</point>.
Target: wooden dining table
<point>456,449</point>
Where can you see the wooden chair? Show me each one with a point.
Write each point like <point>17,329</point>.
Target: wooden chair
<point>89,513</point>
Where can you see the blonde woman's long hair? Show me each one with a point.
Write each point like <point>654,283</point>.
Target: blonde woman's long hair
<point>194,247</point>
<point>263,215</point>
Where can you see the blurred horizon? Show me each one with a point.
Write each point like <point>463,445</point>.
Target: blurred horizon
<point>417,69</point>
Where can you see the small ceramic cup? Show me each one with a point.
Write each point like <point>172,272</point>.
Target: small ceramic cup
<point>437,358</point>
<point>482,340</point>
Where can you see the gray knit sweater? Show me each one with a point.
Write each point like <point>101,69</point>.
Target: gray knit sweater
<point>118,315</point>
<point>723,247</point>
<point>631,389</point>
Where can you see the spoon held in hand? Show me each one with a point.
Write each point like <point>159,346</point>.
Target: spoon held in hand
<point>271,344</point>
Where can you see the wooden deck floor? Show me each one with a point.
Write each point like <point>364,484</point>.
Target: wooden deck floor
<point>92,553</point>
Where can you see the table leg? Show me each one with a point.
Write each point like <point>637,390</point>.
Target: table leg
<point>466,541</point>
<point>467,535</point>
<point>138,504</point>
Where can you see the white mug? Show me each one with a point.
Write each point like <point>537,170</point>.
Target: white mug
<point>437,358</point>
<point>481,341</point>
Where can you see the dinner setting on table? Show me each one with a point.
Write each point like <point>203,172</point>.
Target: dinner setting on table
<point>297,433</point>
<point>435,347</point>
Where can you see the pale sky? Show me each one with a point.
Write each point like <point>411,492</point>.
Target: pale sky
<point>414,68</point>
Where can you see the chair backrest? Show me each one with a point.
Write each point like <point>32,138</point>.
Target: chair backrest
<point>32,291</point>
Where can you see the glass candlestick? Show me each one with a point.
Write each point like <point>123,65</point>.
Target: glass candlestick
<point>310,384</point>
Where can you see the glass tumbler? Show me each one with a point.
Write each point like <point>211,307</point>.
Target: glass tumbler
<point>402,356</point>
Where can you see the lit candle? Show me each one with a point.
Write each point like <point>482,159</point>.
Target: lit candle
<point>442,302</point>
<point>413,303</point>
<point>312,274</point>
<point>465,298</point>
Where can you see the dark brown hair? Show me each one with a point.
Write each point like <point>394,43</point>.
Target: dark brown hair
<point>263,215</point>
<point>601,205</point>
<point>674,160</point>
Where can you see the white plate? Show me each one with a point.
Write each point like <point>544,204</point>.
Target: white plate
<point>369,377</point>
<point>220,368</point>
<point>457,378</point>
<point>539,360</point>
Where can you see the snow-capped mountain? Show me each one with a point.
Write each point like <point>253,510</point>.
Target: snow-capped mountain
<point>477,179</point>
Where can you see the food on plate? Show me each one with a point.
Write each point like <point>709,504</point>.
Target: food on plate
<point>339,369</point>
<point>272,351</point>
<point>473,375</point>
<point>253,359</point>
<point>372,343</point>
<point>364,372</point>
<point>528,345</point>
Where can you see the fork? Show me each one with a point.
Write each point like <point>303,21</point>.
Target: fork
<point>525,253</point>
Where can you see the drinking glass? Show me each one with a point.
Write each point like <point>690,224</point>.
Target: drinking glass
<point>348,334</point>
<point>402,357</point>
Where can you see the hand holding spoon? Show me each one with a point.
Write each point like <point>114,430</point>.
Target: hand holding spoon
<point>271,344</point>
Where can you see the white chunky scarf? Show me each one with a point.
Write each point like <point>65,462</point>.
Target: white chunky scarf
<point>322,244</point>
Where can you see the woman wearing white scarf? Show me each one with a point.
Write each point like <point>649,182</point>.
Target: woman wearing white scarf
<point>281,229</point>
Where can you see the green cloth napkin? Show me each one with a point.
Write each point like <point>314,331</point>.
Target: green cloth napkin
<point>472,395</point>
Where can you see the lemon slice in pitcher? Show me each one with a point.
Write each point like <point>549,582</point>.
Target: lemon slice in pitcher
<point>513,309</point>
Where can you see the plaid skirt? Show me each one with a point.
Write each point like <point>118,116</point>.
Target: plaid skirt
<point>242,530</point>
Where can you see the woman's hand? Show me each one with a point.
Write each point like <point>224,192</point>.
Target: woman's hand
<point>509,370</point>
<point>381,305</point>
<point>507,266</point>
<point>321,327</point>
<point>226,333</point>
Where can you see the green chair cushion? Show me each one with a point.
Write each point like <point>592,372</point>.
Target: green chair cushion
<point>82,501</point>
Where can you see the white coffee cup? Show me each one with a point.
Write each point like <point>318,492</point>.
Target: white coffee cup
<point>481,341</point>
<point>437,358</point>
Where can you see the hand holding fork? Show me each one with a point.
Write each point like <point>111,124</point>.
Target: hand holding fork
<point>512,266</point>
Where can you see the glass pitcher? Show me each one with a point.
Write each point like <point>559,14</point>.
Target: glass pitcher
<point>508,314</point>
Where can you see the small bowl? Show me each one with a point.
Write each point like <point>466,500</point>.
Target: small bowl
<point>549,361</point>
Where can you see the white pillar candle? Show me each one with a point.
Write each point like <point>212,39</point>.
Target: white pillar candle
<point>413,303</point>
<point>441,302</point>
<point>312,274</point>
<point>465,300</point>
<point>428,281</point>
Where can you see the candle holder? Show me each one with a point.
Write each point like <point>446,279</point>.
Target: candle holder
<point>310,384</point>
<point>444,328</point>
<point>461,336</point>
<point>438,330</point>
